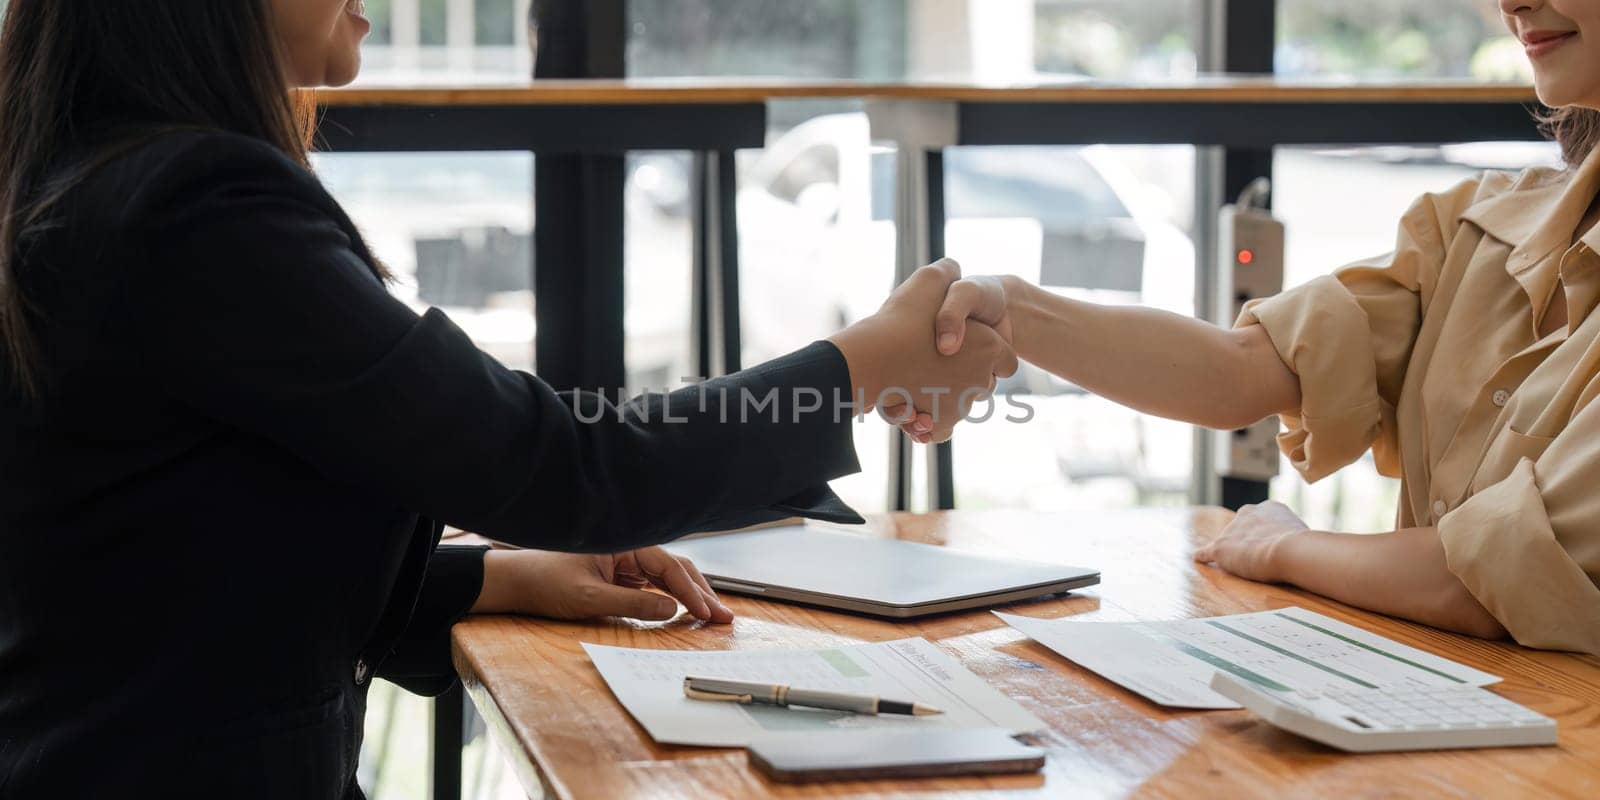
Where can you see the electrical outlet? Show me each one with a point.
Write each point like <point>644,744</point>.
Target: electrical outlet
<point>1249,453</point>
<point>1250,260</point>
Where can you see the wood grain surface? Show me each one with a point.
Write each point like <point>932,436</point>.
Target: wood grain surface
<point>1217,89</point>
<point>553,716</point>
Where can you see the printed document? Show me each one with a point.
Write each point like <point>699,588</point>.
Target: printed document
<point>649,683</point>
<point>1288,649</point>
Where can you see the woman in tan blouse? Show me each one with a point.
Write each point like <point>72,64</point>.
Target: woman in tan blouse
<point>1468,361</point>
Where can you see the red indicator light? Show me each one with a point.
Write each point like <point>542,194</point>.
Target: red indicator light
<point>1246,256</point>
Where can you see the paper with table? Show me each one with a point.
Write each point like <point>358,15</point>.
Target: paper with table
<point>649,683</point>
<point>1171,662</point>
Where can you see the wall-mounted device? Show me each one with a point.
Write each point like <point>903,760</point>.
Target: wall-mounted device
<point>1250,257</point>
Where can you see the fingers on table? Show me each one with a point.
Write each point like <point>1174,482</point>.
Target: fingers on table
<point>719,612</point>
<point>609,600</point>
<point>672,575</point>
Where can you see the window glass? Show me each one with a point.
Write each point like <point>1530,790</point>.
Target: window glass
<point>1397,38</point>
<point>495,22</point>
<point>658,249</point>
<point>1110,224</point>
<point>434,21</point>
<point>456,230</point>
<point>381,13</point>
<point>1114,39</point>
<point>816,207</point>
<point>446,41</point>
<point>808,38</point>
<point>1104,224</point>
<point>898,39</point>
<point>817,168</point>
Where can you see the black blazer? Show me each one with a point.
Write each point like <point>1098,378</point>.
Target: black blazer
<point>222,517</point>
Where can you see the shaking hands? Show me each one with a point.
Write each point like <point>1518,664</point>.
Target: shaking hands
<point>924,387</point>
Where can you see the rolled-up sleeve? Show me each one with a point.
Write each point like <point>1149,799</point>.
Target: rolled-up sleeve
<point>420,661</point>
<point>1348,337</point>
<point>1528,547</point>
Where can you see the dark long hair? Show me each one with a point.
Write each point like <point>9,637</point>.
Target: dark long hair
<point>113,73</point>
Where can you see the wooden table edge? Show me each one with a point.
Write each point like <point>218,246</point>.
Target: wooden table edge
<point>502,736</point>
<point>648,93</point>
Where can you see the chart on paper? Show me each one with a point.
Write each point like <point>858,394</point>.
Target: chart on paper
<point>1288,649</point>
<point>649,683</point>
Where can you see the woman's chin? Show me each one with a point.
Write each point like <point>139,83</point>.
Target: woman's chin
<point>1556,93</point>
<point>333,72</point>
<point>343,72</point>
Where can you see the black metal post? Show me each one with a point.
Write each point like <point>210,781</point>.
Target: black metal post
<point>449,733</point>
<point>716,308</point>
<point>702,297</point>
<point>578,228</point>
<point>727,185</point>
<point>1248,46</point>
<point>943,464</point>
<point>578,275</point>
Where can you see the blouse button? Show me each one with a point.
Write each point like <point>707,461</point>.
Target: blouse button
<point>1501,397</point>
<point>1439,508</point>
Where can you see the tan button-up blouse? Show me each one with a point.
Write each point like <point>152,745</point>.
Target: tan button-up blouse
<point>1431,358</point>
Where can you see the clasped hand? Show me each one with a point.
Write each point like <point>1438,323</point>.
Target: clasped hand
<point>896,368</point>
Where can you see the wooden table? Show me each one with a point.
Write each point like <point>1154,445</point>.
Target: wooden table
<point>555,719</point>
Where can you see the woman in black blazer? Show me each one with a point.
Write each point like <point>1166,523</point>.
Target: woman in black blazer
<point>228,452</point>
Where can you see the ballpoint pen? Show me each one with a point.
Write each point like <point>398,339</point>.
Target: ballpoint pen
<point>774,694</point>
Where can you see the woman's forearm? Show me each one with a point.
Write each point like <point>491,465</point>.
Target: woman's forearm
<point>1153,361</point>
<point>1402,574</point>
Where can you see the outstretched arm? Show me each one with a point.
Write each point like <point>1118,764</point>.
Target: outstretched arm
<point>1153,361</point>
<point>260,313</point>
<point>1182,368</point>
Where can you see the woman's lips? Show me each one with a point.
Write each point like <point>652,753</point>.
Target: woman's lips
<point>1537,43</point>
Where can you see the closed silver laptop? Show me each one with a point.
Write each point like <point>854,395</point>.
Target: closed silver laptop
<point>870,575</point>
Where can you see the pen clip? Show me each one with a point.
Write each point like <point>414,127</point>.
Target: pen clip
<point>723,697</point>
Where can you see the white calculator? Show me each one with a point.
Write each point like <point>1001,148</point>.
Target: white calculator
<point>1411,718</point>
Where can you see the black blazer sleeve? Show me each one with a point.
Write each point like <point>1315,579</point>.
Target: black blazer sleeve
<point>420,661</point>
<point>254,305</point>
